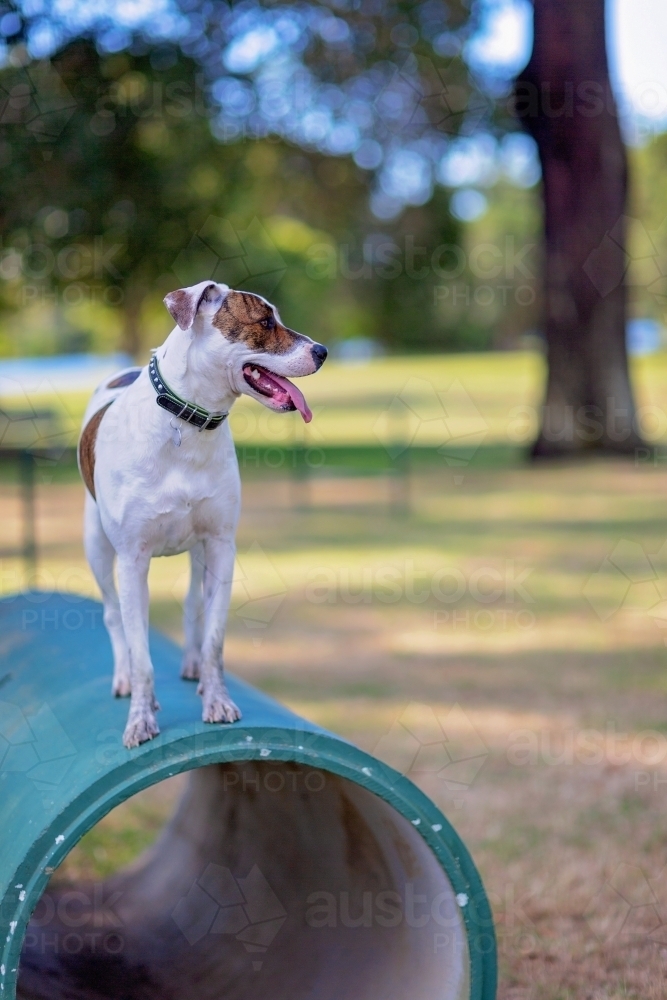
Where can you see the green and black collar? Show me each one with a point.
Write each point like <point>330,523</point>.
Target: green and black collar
<point>190,412</point>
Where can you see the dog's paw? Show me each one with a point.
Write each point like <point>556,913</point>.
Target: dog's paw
<point>190,665</point>
<point>120,686</point>
<point>219,707</point>
<point>140,728</point>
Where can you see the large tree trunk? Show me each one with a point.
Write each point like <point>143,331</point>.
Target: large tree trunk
<point>564,99</point>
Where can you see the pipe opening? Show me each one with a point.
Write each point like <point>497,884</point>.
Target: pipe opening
<point>271,880</point>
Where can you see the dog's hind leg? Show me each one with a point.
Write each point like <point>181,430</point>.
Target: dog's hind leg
<point>217,705</point>
<point>193,615</point>
<point>133,593</point>
<point>101,556</point>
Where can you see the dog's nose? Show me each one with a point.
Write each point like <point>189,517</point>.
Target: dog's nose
<point>319,353</point>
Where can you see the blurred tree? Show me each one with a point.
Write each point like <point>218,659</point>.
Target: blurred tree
<point>647,232</point>
<point>101,207</point>
<point>564,99</point>
<point>124,191</point>
<point>254,142</point>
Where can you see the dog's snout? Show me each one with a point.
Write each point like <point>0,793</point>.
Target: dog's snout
<point>319,353</point>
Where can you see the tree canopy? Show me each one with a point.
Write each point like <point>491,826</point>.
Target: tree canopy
<point>247,141</point>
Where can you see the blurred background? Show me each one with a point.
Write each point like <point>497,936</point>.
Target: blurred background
<point>466,549</point>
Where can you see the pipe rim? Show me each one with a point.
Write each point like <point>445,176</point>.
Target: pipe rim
<point>316,750</point>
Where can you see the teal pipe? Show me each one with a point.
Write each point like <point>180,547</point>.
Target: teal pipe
<point>63,767</point>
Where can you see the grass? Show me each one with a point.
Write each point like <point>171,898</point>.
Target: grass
<point>515,603</point>
<point>465,399</point>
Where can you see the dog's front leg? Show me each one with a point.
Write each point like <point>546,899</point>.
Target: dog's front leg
<point>217,705</point>
<point>133,593</point>
<point>193,615</point>
<point>101,556</point>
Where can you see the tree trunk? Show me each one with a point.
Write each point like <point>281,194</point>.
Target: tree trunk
<point>564,100</point>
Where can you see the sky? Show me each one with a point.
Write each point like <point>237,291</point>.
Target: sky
<point>637,43</point>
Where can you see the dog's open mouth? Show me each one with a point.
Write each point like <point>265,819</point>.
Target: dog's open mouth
<point>282,393</point>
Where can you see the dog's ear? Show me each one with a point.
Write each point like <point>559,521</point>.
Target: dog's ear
<point>185,303</point>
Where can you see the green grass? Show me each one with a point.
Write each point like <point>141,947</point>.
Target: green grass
<point>459,399</point>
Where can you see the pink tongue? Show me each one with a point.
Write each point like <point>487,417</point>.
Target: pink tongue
<point>295,395</point>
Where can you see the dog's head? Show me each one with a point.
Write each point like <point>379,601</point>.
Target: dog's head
<point>247,336</point>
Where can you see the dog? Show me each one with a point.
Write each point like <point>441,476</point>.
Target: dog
<point>158,460</point>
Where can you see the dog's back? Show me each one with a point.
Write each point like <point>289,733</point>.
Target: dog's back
<point>100,401</point>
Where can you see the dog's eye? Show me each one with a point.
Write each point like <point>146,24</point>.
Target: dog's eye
<point>268,323</point>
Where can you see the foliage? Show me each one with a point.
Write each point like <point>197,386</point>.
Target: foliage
<point>123,176</point>
<point>647,231</point>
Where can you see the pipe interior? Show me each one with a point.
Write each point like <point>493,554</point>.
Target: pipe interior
<point>270,880</point>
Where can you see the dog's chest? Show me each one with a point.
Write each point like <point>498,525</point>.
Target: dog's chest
<point>174,507</point>
<point>189,510</point>
<point>163,495</point>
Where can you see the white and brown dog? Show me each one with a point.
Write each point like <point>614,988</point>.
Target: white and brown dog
<point>158,460</point>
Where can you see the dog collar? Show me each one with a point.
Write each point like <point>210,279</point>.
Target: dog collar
<point>190,412</point>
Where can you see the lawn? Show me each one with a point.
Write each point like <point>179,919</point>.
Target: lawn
<point>520,608</point>
<point>489,398</point>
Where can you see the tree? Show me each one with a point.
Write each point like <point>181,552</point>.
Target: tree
<point>564,99</point>
<point>129,191</point>
<point>350,116</point>
<point>102,204</point>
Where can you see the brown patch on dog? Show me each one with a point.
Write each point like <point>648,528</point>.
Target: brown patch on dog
<point>127,378</point>
<point>245,317</point>
<point>87,449</point>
